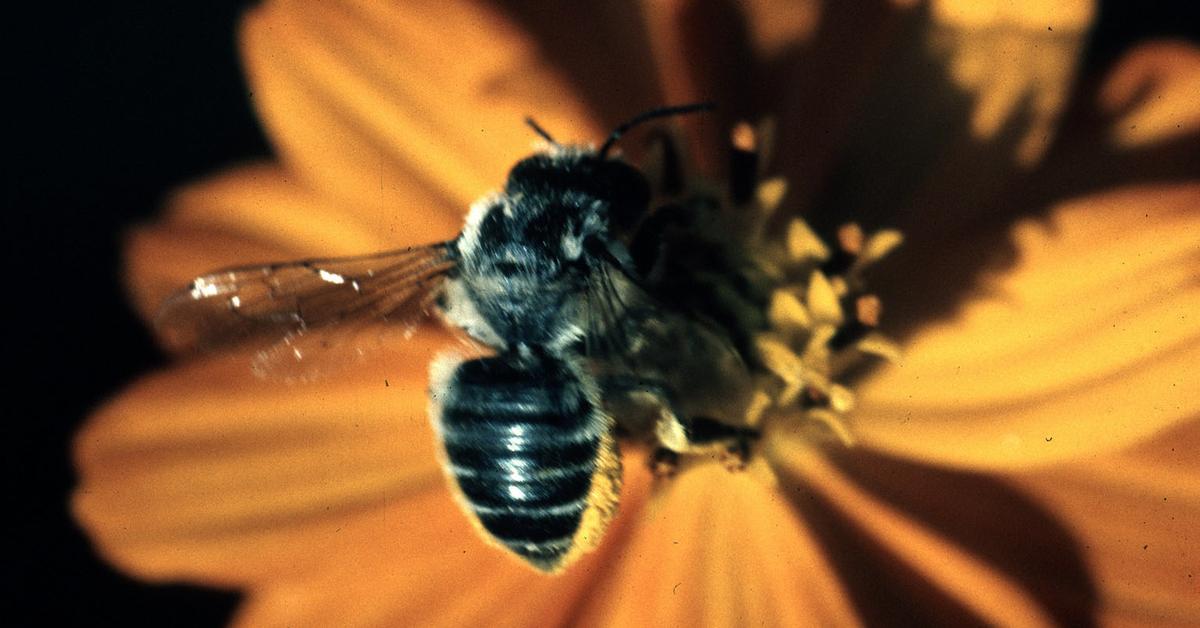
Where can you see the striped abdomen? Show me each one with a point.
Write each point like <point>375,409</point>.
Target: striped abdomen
<point>531,454</point>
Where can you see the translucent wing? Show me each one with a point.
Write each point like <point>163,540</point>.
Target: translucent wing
<point>627,328</point>
<point>288,306</point>
<point>654,357</point>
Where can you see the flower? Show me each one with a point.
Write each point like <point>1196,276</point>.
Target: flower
<point>1029,460</point>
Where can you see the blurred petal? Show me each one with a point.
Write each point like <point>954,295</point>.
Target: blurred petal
<point>816,84</point>
<point>707,529</point>
<point>427,568</point>
<point>438,572</point>
<point>1141,123</point>
<point>258,214</point>
<point>1088,344</point>
<point>1154,90</point>
<point>778,25</point>
<point>1039,79</point>
<point>935,109</point>
<point>363,98</point>
<point>608,60</point>
<point>926,557</point>
<point>701,52</point>
<point>1137,516</point>
<point>204,472</point>
<point>998,524</point>
<point>422,550</point>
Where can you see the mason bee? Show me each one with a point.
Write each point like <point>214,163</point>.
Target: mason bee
<point>580,347</point>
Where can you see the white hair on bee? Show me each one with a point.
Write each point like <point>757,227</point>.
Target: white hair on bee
<point>461,311</point>
<point>468,240</point>
<point>441,369</point>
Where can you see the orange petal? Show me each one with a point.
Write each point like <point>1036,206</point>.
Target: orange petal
<point>363,98</point>
<point>1088,343</point>
<point>1152,92</point>
<point>1000,526</point>
<point>1136,515</point>
<point>269,203</point>
<point>425,567</point>
<point>701,53</point>
<point>775,25</point>
<point>205,473</point>
<point>903,555</point>
<point>437,572</point>
<point>1141,123</point>
<point>607,59</point>
<point>718,549</point>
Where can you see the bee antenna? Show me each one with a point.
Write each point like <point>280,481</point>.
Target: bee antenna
<point>539,130</point>
<point>660,112</point>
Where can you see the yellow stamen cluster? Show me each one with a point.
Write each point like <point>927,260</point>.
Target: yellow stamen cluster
<point>800,305</point>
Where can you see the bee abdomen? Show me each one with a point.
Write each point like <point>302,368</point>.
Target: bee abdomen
<point>522,441</point>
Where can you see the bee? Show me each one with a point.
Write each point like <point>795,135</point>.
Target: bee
<point>579,347</point>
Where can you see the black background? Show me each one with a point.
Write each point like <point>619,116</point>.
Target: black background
<point>113,106</point>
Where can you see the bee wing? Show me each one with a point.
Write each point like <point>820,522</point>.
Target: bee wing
<point>628,329</point>
<point>292,308</point>
<point>614,306</point>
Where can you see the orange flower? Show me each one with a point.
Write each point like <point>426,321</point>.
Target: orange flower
<point>1031,459</point>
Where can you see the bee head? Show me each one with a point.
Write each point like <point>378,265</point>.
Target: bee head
<point>619,191</point>
<point>607,192</point>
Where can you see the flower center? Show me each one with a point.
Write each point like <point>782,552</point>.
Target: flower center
<point>796,306</point>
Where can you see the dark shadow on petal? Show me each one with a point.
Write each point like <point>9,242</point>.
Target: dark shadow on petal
<point>816,87</point>
<point>1169,161</point>
<point>602,49</point>
<point>882,135</point>
<point>720,64</point>
<point>911,163</point>
<point>605,51</point>
<point>907,121</point>
<point>991,519</point>
<point>884,589</point>
<point>1083,161</point>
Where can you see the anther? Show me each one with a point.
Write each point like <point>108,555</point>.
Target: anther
<point>867,310</point>
<point>850,238</point>
<point>743,163</point>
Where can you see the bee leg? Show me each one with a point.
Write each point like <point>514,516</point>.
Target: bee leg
<point>664,462</point>
<point>737,453</point>
<point>677,434</point>
<point>664,426</point>
<point>734,443</point>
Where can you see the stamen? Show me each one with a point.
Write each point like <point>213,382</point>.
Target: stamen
<point>743,138</point>
<point>834,423</point>
<point>850,238</point>
<point>743,163</point>
<point>803,245</point>
<point>797,306</point>
<point>787,314</point>
<point>867,310</point>
<point>770,194</point>
<point>822,300</point>
<point>877,246</point>
<point>665,167</point>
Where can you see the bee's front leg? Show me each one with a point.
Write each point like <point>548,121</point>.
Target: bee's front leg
<point>673,432</point>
